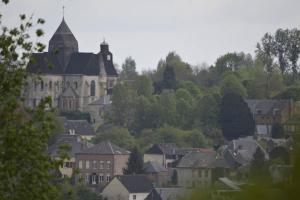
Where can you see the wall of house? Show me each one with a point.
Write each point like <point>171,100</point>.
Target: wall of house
<point>154,157</point>
<point>102,167</point>
<point>120,162</point>
<point>138,196</point>
<point>158,179</point>
<point>67,171</point>
<point>115,191</point>
<point>188,177</point>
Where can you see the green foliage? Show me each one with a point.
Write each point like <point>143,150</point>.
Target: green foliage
<point>231,84</point>
<point>292,92</point>
<point>128,72</point>
<point>235,117</point>
<point>143,86</point>
<point>25,169</point>
<point>76,115</point>
<point>135,163</point>
<point>123,105</point>
<point>118,136</point>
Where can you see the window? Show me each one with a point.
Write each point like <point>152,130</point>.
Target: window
<point>101,178</point>
<point>75,85</point>
<point>94,179</point>
<point>108,57</point>
<point>87,164</point>
<point>70,104</point>
<point>80,164</point>
<point>93,88</point>
<point>35,85</point>
<point>199,173</point>
<point>87,178</point>
<point>42,85</point>
<point>50,85</point>
<point>108,178</point>
<point>258,111</point>
<point>134,197</point>
<point>95,164</point>
<point>34,102</point>
<point>68,83</point>
<point>108,164</point>
<point>206,173</point>
<point>101,164</point>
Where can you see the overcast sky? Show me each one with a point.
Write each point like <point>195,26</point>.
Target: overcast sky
<point>198,30</point>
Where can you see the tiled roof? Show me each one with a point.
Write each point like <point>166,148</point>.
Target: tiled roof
<point>74,143</point>
<point>106,148</point>
<point>81,127</point>
<point>154,167</point>
<point>168,193</point>
<point>202,160</point>
<point>266,107</point>
<point>136,183</point>
<point>153,195</point>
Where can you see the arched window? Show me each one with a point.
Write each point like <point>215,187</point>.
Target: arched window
<point>93,88</point>
<point>75,85</point>
<point>50,85</point>
<point>42,85</point>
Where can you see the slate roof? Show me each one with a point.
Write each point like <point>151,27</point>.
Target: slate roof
<point>169,193</point>
<point>202,160</point>
<point>240,151</point>
<point>76,145</point>
<point>68,60</point>
<point>229,183</point>
<point>266,107</point>
<point>81,127</point>
<point>153,195</point>
<point>136,183</point>
<point>106,148</point>
<point>154,167</point>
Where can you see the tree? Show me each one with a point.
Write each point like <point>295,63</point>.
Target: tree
<point>25,169</point>
<point>169,78</point>
<point>277,131</point>
<point>118,136</point>
<point>231,84</point>
<point>128,72</point>
<point>258,167</point>
<point>123,105</point>
<point>135,164</point>
<point>235,117</point>
<point>232,61</point>
<point>207,111</point>
<point>143,86</point>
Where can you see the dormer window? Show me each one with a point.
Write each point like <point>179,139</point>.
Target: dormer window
<point>275,111</point>
<point>108,57</point>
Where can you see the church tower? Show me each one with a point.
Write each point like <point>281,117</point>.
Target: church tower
<point>63,43</point>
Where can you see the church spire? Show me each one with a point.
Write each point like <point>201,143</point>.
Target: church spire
<point>63,43</point>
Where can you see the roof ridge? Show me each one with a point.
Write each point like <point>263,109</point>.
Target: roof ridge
<point>110,147</point>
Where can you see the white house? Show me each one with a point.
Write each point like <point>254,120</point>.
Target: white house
<point>127,187</point>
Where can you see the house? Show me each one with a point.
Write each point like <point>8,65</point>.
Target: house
<point>239,152</point>
<point>98,164</point>
<point>79,127</point>
<point>168,155</point>
<point>127,187</point>
<point>268,112</point>
<point>200,169</point>
<point>74,145</point>
<point>166,193</point>
<point>98,108</point>
<point>156,173</point>
<point>72,79</point>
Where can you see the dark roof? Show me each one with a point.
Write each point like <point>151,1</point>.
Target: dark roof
<point>64,58</point>
<point>202,160</point>
<point>168,149</point>
<point>240,151</point>
<point>81,127</point>
<point>106,148</point>
<point>168,193</point>
<point>75,144</point>
<point>154,167</point>
<point>153,195</point>
<point>266,107</point>
<point>136,183</point>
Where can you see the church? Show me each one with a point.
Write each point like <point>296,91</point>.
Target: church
<point>76,81</point>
